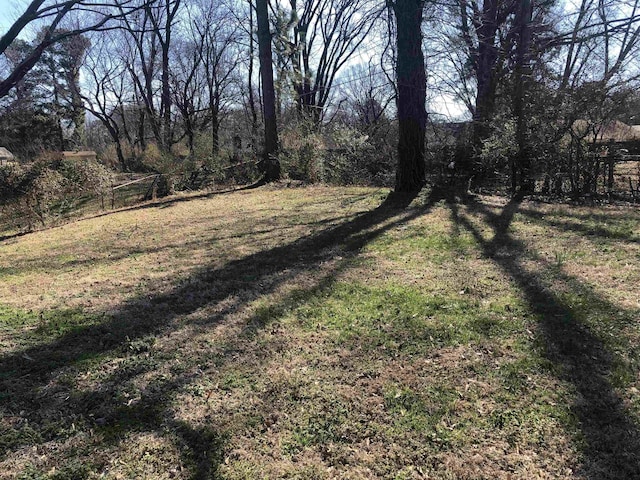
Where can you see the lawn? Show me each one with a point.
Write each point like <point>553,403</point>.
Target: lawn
<point>317,333</point>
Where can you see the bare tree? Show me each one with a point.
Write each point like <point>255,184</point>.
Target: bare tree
<point>90,15</point>
<point>251,99</point>
<point>150,34</point>
<point>188,87</point>
<point>482,29</point>
<point>106,90</point>
<point>204,63</point>
<point>365,96</point>
<point>521,166</point>
<point>317,38</point>
<point>162,18</point>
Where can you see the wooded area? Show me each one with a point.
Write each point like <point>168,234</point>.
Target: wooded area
<point>329,91</point>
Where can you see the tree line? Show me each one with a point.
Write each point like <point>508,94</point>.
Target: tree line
<point>539,82</point>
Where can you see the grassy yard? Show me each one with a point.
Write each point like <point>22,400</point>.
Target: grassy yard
<point>316,333</point>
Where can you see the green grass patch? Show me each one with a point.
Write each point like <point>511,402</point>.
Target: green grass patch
<point>396,317</point>
<point>424,240</point>
<point>33,326</point>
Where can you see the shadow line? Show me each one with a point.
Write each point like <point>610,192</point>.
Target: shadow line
<point>612,438</point>
<point>35,263</point>
<point>27,374</point>
<point>601,232</point>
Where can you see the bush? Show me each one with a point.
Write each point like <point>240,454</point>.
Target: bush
<point>31,193</point>
<point>86,177</point>
<point>50,187</point>
<point>342,155</point>
<point>108,156</point>
<point>357,160</point>
<point>499,149</point>
<point>302,153</point>
<point>162,186</point>
<point>154,159</point>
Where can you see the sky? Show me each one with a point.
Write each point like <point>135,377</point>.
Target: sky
<point>9,11</point>
<point>441,105</point>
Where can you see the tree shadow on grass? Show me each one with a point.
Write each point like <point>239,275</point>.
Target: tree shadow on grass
<point>612,438</point>
<point>203,446</point>
<point>602,231</point>
<point>38,383</point>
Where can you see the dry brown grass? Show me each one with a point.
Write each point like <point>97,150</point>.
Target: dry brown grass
<point>303,333</point>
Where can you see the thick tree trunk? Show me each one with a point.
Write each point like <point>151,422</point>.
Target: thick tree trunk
<point>77,108</point>
<point>142,131</point>
<point>114,133</point>
<point>79,131</point>
<point>270,163</point>
<point>412,85</point>
<point>252,104</point>
<point>121,159</point>
<point>522,178</point>
<point>57,108</point>
<point>189,132</point>
<point>486,74</point>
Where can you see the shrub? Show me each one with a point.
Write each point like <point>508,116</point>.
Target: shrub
<point>302,153</point>
<point>342,155</point>
<point>50,187</point>
<point>154,159</point>
<point>355,159</point>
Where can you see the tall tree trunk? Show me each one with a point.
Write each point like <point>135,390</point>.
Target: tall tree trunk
<point>77,106</point>
<point>412,86</point>
<point>189,132</point>
<point>521,171</point>
<point>57,109</point>
<point>270,163</point>
<point>486,74</point>
<point>79,131</point>
<point>114,132</point>
<point>166,91</point>
<point>252,104</point>
<point>120,153</point>
<point>142,131</point>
